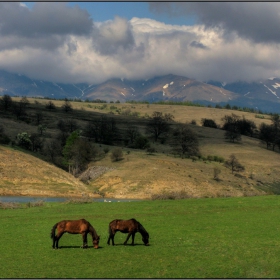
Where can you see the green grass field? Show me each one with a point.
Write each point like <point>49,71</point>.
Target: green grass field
<point>195,238</point>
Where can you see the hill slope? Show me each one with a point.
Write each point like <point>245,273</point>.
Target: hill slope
<point>24,174</point>
<point>140,175</point>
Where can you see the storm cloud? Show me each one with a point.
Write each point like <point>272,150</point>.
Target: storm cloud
<point>257,21</point>
<point>55,42</point>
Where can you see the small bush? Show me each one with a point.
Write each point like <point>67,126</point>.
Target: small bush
<point>171,195</point>
<point>35,203</point>
<point>217,172</point>
<point>10,205</point>
<point>117,154</point>
<point>214,158</point>
<point>151,150</point>
<point>209,123</point>
<point>4,139</point>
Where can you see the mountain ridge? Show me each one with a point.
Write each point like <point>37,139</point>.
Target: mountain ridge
<point>262,95</point>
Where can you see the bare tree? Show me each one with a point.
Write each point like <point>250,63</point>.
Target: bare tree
<point>158,125</point>
<point>231,126</point>
<point>266,135</point>
<point>50,106</point>
<point>53,149</point>
<point>67,107</point>
<point>185,141</point>
<point>38,117</point>
<point>102,130</point>
<point>234,164</point>
<point>6,102</point>
<point>36,142</point>
<point>131,134</point>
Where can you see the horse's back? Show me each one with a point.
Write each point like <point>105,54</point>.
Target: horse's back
<point>73,226</point>
<point>124,225</point>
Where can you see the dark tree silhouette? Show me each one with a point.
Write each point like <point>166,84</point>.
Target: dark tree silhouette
<point>50,106</point>
<point>67,106</point>
<point>6,102</point>
<point>158,124</point>
<point>231,126</point>
<point>185,141</point>
<point>234,164</point>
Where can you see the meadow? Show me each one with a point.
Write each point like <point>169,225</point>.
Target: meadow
<point>194,238</point>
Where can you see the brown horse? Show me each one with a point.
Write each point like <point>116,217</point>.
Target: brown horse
<point>74,227</point>
<point>127,226</point>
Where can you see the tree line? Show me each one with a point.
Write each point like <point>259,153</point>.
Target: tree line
<point>235,127</point>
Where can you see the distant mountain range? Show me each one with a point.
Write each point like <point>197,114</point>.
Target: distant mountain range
<point>263,94</point>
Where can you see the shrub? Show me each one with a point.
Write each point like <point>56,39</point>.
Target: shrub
<point>10,205</point>
<point>234,164</point>
<point>117,154</point>
<point>37,203</point>
<point>215,158</point>
<point>171,195</point>
<point>209,123</point>
<point>217,172</point>
<point>50,106</point>
<point>24,140</point>
<point>151,150</point>
<point>141,142</point>
<point>4,139</point>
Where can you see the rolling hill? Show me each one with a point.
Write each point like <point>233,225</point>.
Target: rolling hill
<point>25,174</point>
<point>139,174</point>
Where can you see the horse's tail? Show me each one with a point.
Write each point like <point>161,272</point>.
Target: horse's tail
<point>110,230</point>
<point>53,231</point>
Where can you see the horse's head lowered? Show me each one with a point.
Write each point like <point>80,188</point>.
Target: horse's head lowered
<point>145,239</point>
<point>95,242</point>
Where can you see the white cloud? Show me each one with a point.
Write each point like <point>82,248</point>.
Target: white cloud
<point>139,48</point>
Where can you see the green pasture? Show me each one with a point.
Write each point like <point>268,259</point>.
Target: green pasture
<point>194,238</point>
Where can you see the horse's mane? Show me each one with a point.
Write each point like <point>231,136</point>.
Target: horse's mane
<point>142,230</point>
<point>91,228</point>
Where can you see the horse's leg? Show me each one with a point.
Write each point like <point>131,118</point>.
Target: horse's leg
<point>112,237</point>
<point>58,236</point>
<point>129,234</point>
<point>84,234</point>
<point>133,235</point>
<point>54,241</point>
<point>109,238</point>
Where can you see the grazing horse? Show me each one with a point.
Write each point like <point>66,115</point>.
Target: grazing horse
<point>74,227</point>
<point>127,226</point>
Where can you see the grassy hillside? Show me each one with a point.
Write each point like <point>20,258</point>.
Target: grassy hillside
<point>140,175</point>
<point>24,174</point>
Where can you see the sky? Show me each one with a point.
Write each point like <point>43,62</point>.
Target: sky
<point>94,41</point>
